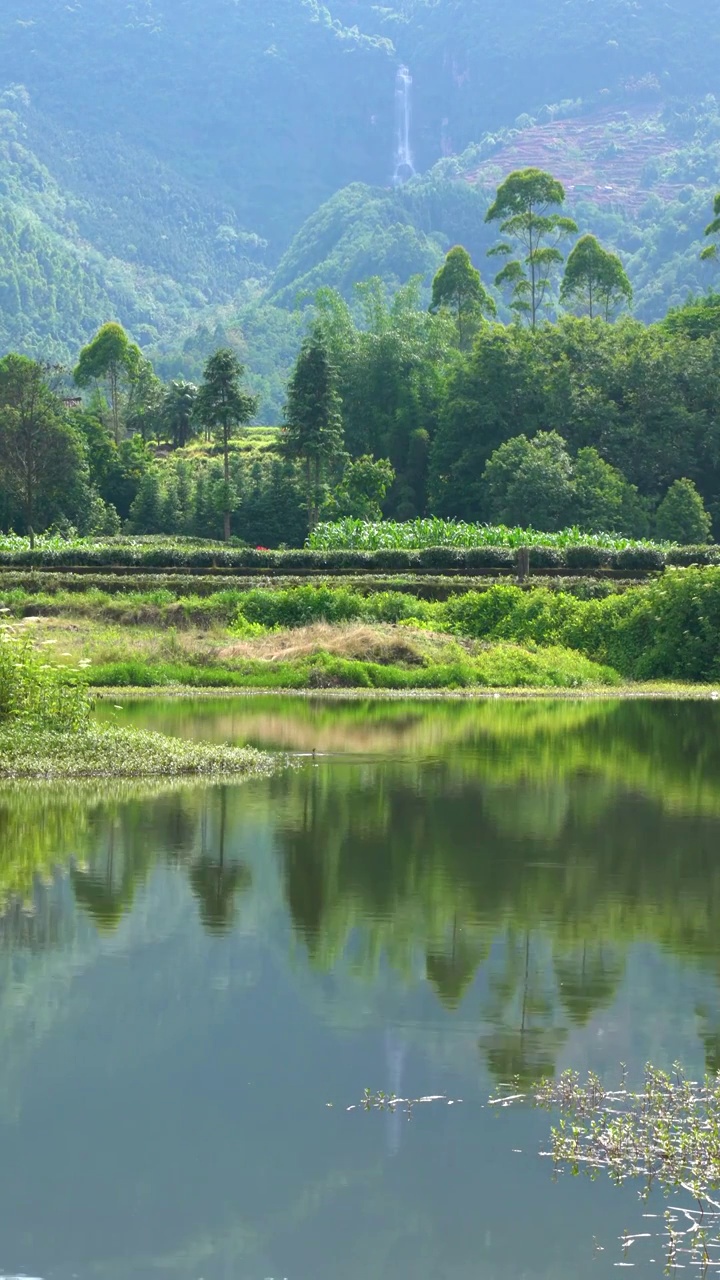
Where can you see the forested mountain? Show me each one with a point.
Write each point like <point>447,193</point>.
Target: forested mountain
<point>160,161</point>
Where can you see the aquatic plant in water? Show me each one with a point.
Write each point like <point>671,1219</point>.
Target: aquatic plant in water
<point>665,1135</point>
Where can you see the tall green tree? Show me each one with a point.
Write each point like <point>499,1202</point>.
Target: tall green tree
<point>458,287</point>
<point>143,411</point>
<point>223,404</point>
<point>526,205</point>
<point>178,411</point>
<point>529,482</point>
<point>313,429</point>
<point>603,500</point>
<point>42,459</point>
<point>113,359</point>
<point>362,490</point>
<point>391,372</point>
<point>595,280</point>
<point>681,516</point>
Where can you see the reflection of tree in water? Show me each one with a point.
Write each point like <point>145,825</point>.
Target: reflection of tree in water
<point>452,966</point>
<point>184,830</point>
<point>106,888</point>
<point>215,880</point>
<point>708,1015</point>
<point>588,978</point>
<point>524,1037</point>
<point>536,900</point>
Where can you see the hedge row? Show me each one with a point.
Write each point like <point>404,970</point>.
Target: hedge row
<point>136,555</point>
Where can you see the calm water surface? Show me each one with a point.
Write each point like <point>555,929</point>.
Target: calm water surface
<point>443,896</point>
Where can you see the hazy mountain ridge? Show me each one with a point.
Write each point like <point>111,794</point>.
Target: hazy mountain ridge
<point>159,161</point>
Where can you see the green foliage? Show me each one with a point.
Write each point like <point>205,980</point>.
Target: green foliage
<point>112,358</point>
<point>642,396</point>
<point>177,412</point>
<point>362,490</point>
<point>603,498</point>
<point>220,405</point>
<point>33,692</point>
<point>522,206</point>
<point>498,666</point>
<point>108,751</point>
<point>681,516</point>
<point>667,630</point>
<point>710,252</point>
<point>43,471</point>
<point>595,280</point>
<point>313,431</point>
<point>411,535</point>
<point>457,286</point>
<point>391,369</point>
<point>357,234</point>
<point>531,480</point>
<point>537,480</point>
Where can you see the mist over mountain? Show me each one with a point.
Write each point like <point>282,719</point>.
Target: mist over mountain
<point>172,164</point>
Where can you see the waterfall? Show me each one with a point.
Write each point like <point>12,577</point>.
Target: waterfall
<point>404,167</point>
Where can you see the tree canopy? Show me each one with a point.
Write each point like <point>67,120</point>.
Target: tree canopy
<point>525,206</point>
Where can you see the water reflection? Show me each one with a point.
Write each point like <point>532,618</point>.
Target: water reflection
<point>446,896</point>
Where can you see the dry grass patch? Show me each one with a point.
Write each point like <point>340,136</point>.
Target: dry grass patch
<point>382,643</point>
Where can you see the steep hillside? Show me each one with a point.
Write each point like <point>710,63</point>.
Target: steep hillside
<point>641,175</point>
<point>89,232</point>
<point>274,106</point>
<point>160,159</point>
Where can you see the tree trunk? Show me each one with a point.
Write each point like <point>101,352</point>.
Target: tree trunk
<point>226,466</point>
<point>30,509</point>
<point>522,561</point>
<point>114,404</point>
<point>310,497</point>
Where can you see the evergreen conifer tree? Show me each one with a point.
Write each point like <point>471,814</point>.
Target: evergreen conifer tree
<point>313,430</point>
<point>681,516</point>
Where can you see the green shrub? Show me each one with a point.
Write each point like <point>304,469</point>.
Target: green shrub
<point>584,556</point>
<point>640,557</point>
<point>34,691</point>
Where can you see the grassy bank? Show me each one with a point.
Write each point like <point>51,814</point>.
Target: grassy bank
<point>314,656</point>
<point>317,636</point>
<point>46,729</point>
<point>338,636</point>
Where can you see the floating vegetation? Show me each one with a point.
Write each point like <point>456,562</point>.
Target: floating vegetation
<point>665,1136</point>
<point>381,1101</point>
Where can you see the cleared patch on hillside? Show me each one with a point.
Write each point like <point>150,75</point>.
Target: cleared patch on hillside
<point>604,157</point>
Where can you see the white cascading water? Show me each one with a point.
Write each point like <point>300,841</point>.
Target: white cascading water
<point>404,167</point>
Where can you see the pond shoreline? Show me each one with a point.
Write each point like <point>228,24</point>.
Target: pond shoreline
<point>605,693</point>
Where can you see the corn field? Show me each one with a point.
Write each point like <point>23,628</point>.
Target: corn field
<point>415,535</point>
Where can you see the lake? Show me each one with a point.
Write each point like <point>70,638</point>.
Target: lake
<point>197,981</point>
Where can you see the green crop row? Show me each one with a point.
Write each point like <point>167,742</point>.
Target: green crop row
<point>431,531</point>
<point>580,556</point>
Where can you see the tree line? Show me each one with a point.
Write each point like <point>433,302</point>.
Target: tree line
<point>396,408</point>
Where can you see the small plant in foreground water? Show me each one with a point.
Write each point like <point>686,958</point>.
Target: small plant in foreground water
<point>666,1135</point>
